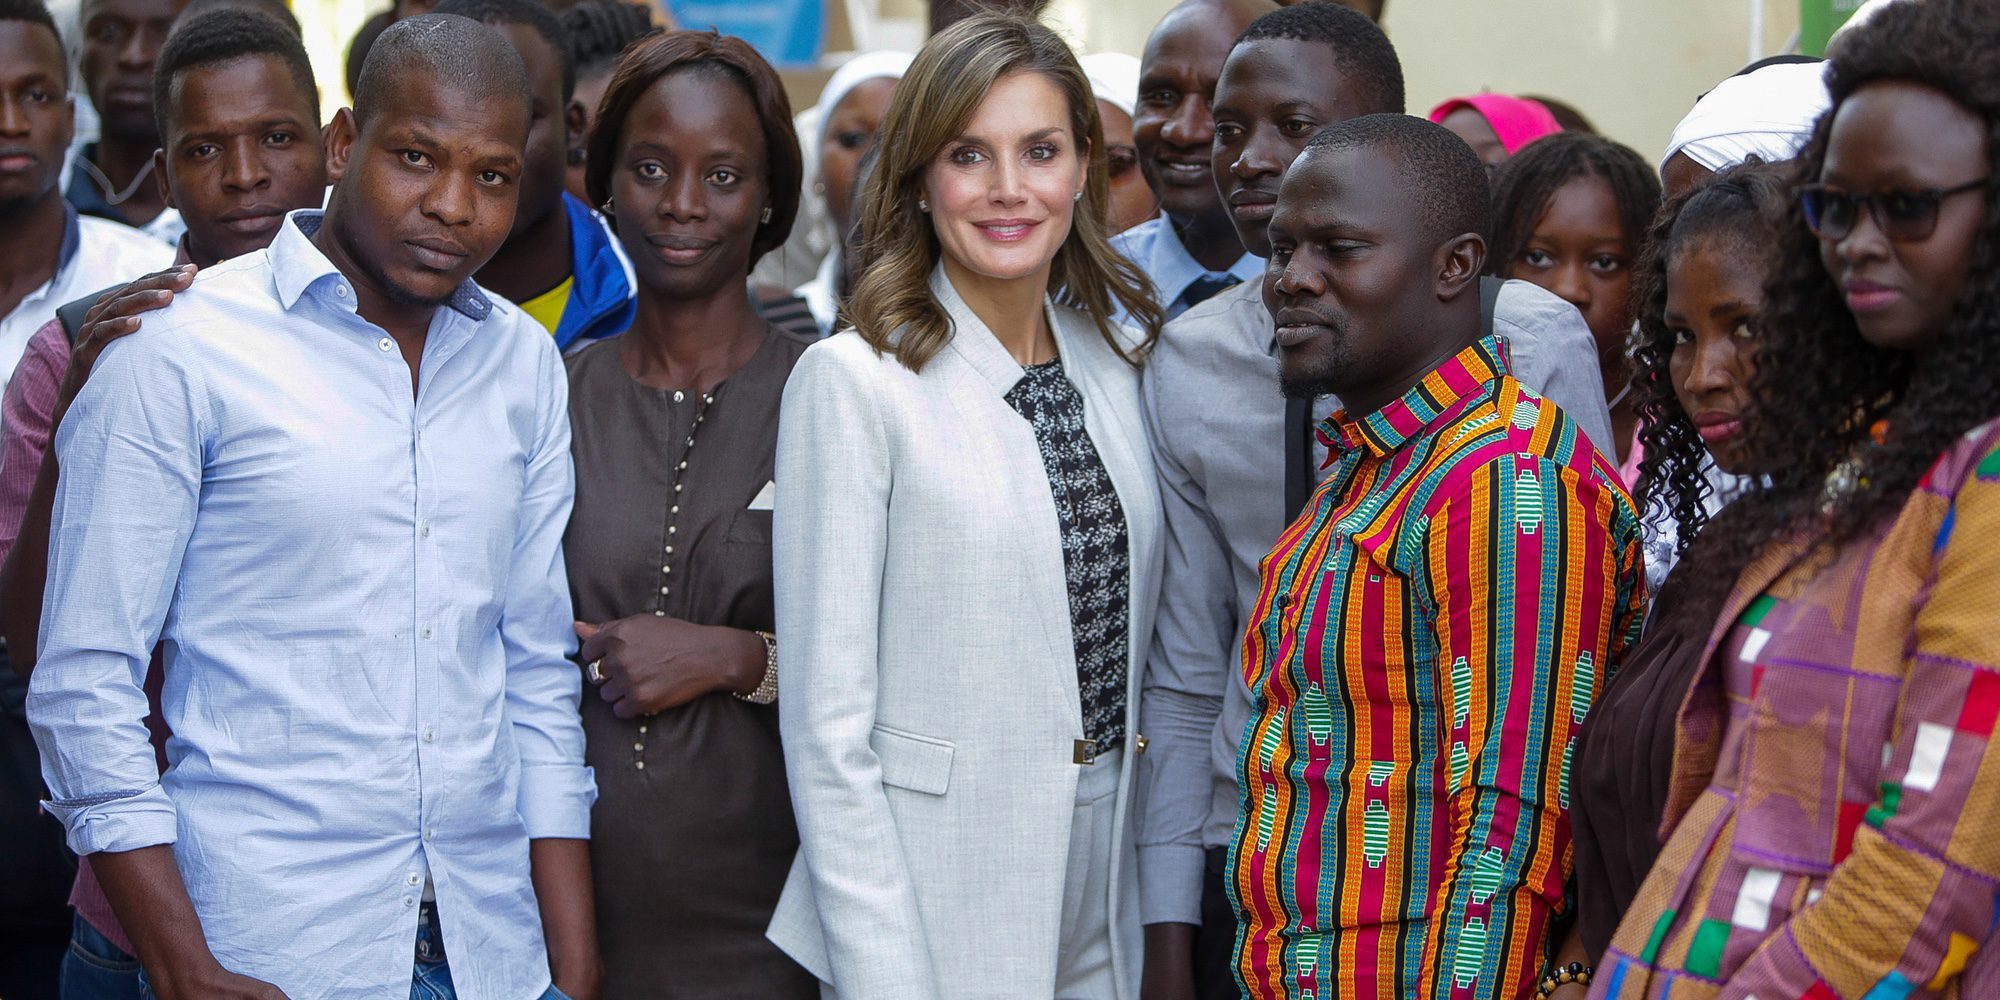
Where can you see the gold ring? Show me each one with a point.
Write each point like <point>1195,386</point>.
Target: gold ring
<point>595,671</point>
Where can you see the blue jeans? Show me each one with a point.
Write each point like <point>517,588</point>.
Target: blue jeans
<point>433,982</point>
<point>96,969</point>
<point>430,981</point>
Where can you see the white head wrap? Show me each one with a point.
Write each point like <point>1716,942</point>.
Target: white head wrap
<point>1114,79</point>
<point>1768,113</point>
<point>853,73</point>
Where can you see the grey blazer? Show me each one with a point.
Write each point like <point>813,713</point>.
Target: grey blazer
<point>927,677</point>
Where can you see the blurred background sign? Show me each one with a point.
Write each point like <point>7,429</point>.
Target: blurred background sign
<point>1818,19</point>
<point>789,33</point>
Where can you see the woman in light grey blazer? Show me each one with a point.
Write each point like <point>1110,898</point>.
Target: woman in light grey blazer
<point>967,555</point>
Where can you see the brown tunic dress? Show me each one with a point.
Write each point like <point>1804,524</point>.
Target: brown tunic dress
<point>692,835</point>
<point>1622,763</point>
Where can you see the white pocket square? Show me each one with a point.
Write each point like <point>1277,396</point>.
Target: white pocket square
<point>764,497</point>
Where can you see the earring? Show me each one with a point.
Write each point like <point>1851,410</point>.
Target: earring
<point>923,206</point>
<point>767,216</point>
<point>607,207</point>
<point>1077,196</point>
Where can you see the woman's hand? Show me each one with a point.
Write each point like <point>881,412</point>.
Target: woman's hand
<point>651,663</point>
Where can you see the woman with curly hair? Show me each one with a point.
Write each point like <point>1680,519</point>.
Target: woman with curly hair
<point>1835,776</point>
<point>1569,212</point>
<point>1701,305</point>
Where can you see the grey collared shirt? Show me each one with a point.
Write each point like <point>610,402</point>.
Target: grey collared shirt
<point>1217,422</point>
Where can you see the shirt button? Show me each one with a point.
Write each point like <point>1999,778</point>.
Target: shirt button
<point>340,290</point>
<point>641,765</point>
<point>431,834</point>
<point>666,569</point>
<point>409,901</point>
<point>427,633</point>
<point>679,395</point>
<point>1284,600</point>
<point>430,734</point>
<point>425,529</point>
<point>386,345</point>
<point>416,879</point>
<point>663,590</point>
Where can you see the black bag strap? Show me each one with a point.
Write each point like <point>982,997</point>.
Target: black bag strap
<point>1489,297</point>
<point>70,314</point>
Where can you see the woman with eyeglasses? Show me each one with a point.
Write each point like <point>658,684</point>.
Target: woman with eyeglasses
<point>1114,81</point>
<point>852,105</point>
<point>1835,779</point>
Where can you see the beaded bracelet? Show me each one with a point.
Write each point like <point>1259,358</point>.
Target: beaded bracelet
<point>1563,975</point>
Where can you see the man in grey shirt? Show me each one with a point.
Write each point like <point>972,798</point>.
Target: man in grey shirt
<point>1219,440</point>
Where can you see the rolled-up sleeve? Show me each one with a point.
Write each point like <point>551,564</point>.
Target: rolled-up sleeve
<point>131,449</point>
<point>544,689</point>
<point>1180,702</point>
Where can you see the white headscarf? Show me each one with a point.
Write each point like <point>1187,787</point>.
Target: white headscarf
<point>853,73</point>
<point>1768,113</point>
<point>1114,79</point>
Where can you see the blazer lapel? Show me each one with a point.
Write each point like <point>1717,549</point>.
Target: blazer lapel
<point>1121,443</point>
<point>993,373</point>
<point>1703,712</point>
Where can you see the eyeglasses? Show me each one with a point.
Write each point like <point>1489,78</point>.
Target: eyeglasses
<point>1903,216</point>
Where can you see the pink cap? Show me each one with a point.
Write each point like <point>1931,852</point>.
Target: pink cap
<point>1516,120</point>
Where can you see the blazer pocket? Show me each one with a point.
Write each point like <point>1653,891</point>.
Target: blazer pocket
<point>918,763</point>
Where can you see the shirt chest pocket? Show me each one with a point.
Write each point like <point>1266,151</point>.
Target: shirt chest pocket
<point>1810,762</point>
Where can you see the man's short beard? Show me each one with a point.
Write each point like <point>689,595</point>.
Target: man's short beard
<point>1305,386</point>
<point>388,286</point>
<point>11,207</point>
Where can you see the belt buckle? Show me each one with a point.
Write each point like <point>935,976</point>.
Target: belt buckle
<point>1084,752</point>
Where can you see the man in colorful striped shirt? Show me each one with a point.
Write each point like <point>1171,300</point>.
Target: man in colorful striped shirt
<point>1433,627</point>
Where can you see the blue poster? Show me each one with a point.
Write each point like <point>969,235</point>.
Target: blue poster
<point>787,32</point>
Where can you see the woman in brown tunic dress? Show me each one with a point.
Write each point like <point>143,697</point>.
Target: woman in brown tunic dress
<point>669,550</point>
<point>1700,299</point>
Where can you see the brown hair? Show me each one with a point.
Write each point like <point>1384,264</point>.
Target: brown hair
<point>892,306</point>
<point>650,59</point>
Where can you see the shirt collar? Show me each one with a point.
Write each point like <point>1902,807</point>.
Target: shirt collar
<point>1173,269</point>
<point>1435,395</point>
<point>974,341</point>
<point>297,266</point>
<point>72,238</point>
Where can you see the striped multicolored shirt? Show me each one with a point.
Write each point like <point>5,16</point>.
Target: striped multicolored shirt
<point>1835,802</point>
<point>1428,635</point>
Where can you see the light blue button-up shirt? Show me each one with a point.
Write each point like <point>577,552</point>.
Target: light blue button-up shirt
<point>1157,249</point>
<point>362,601</point>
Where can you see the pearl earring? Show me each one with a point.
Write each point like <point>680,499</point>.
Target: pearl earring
<point>923,206</point>
<point>1077,196</point>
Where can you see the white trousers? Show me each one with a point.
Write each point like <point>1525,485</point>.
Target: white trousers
<point>1083,961</point>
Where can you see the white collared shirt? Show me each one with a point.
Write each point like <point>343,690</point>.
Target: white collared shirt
<point>364,613</point>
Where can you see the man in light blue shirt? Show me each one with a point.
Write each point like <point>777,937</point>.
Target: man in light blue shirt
<point>1190,250</point>
<point>331,479</point>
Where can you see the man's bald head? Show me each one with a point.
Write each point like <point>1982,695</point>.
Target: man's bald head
<point>446,51</point>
